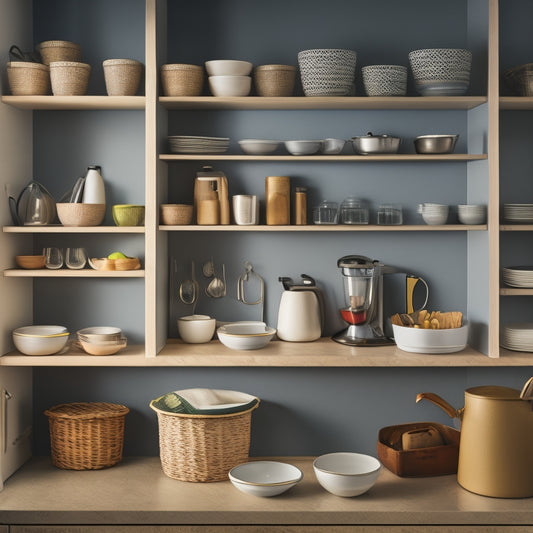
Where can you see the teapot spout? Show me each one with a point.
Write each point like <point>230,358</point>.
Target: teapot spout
<point>443,404</point>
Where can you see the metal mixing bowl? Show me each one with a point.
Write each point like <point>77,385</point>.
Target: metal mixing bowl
<point>375,144</point>
<point>435,144</point>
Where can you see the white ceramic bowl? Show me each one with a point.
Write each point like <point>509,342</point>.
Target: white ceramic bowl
<point>245,335</point>
<point>346,474</point>
<point>40,340</point>
<point>102,347</point>
<point>265,478</point>
<point>230,85</point>
<point>472,214</point>
<point>228,67</point>
<point>303,147</point>
<point>196,329</point>
<point>100,333</point>
<point>332,146</point>
<point>431,341</point>
<point>258,146</point>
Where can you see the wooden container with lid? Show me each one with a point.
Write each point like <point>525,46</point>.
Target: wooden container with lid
<point>278,200</point>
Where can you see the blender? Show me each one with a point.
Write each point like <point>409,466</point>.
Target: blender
<point>363,291</point>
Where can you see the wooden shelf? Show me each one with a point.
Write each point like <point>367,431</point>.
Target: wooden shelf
<point>515,291</point>
<point>519,103</point>
<point>73,229</point>
<point>68,273</point>
<point>91,103</point>
<point>329,227</point>
<point>323,102</point>
<point>326,158</point>
<point>516,227</point>
<point>323,353</point>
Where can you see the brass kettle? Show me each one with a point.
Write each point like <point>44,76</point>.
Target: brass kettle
<point>495,450</point>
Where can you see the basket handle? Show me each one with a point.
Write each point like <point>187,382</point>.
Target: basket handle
<point>16,54</point>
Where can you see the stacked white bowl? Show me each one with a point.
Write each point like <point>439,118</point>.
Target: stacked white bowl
<point>385,80</point>
<point>327,71</point>
<point>472,214</point>
<point>434,214</point>
<point>441,71</point>
<point>229,77</point>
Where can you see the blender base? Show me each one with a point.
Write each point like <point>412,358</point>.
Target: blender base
<point>342,337</point>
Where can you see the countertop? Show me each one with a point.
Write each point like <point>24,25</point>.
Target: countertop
<point>137,492</point>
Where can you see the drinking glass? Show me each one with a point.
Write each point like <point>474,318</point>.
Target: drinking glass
<point>53,258</point>
<point>76,258</point>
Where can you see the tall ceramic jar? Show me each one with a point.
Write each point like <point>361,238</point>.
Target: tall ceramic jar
<point>94,189</point>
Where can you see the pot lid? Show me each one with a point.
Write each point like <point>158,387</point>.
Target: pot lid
<point>493,392</point>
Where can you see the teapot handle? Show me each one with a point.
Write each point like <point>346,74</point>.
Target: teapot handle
<point>443,404</point>
<point>410,283</point>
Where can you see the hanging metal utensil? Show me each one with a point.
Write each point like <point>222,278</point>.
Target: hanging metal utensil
<point>245,277</point>
<point>209,269</point>
<point>217,286</point>
<point>188,290</point>
<point>196,289</point>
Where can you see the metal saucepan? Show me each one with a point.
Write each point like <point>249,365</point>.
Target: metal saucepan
<point>375,144</point>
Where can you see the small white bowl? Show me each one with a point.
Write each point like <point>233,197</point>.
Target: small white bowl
<point>100,333</point>
<point>431,341</point>
<point>265,478</point>
<point>258,146</point>
<point>228,67</point>
<point>332,146</point>
<point>196,329</point>
<point>230,85</point>
<point>246,335</point>
<point>40,340</point>
<point>303,147</point>
<point>346,474</point>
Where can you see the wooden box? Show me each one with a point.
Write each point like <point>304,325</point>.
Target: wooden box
<point>432,461</point>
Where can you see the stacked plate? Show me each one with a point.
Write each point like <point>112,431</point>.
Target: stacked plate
<point>518,336</point>
<point>518,276</point>
<point>518,213</point>
<point>191,144</point>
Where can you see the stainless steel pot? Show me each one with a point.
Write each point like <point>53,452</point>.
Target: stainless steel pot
<point>375,144</point>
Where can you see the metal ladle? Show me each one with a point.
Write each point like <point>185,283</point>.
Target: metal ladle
<point>217,286</point>
<point>189,289</point>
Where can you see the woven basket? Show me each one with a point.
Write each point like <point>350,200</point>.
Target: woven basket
<point>176,214</point>
<point>86,436</point>
<point>180,79</point>
<point>202,448</point>
<point>122,76</point>
<point>27,78</point>
<point>59,51</point>
<point>69,78</point>
<point>519,80</point>
<point>275,80</point>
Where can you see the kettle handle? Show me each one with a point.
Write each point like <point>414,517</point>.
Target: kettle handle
<point>410,284</point>
<point>443,404</point>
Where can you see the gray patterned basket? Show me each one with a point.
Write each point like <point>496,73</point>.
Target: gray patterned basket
<point>385,80</point>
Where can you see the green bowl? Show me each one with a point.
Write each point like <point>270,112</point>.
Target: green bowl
<point>128,215</point>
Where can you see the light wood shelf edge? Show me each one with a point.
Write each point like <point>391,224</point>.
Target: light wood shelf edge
<point>510,103</point>
<point>515,291</point>
<point>89,102</point>
<point>73,229</point>
<point>68,273</point>
<point>326,158</point>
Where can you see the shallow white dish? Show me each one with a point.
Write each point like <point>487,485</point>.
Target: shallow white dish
<point>346,474</point>
<point>246,335</point>
<point>228,67</point>
<point>258,146</point>
<point>265,478</point>
<point>431,341</point>
<point>230,85</point>
<point>196,329</point>
<point>303,147</point>
<point>100,333</point>
<point>40,340</point>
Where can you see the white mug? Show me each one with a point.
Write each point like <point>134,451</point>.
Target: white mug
<point>246,209</point>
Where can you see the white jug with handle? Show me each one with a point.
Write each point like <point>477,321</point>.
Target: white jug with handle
<point>94,188</point>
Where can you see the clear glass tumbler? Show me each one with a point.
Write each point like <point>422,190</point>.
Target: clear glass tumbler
<point>53,258</point>
<point>390,215</point>
<point>76,258</point>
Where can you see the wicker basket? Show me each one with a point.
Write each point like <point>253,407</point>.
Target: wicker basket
<point>180,79</point>
<point>86,436</point>
<point>202,448</point>
<point>69,78</point>
<point>27,78</point>
<point>59,51</point>
<point>275,80</point>
<point>176,214</point>
<point>519,80</point>
<point>122,76</point>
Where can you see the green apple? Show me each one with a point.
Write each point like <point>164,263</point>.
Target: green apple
<point>116,255</point>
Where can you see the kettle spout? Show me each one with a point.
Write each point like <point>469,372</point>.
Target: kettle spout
<point>443,404</point>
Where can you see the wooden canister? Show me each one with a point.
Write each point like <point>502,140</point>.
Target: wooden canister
<point>278,200</point>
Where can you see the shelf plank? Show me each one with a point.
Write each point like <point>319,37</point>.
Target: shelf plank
<point>329,228</point>
<point>323,353</point>
<point>68,273</point>
<point>519,103</point>
<point>73,229</point>
<point>516,227</point>
<point>323,102</point>
<point>326,158</point>
<point>55,103</point>
<point>515,291</point>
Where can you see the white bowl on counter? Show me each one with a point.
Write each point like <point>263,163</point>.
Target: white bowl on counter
<point>246,335</point>
<point>228,67</point>
<point>196,329</point>
<point>258,146</point>
<point>40,340</point>
<point>346,474</point>
<point>303,147</point>
<point>265,478</point>
<point>230,85</point>
<point>431,341</point>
